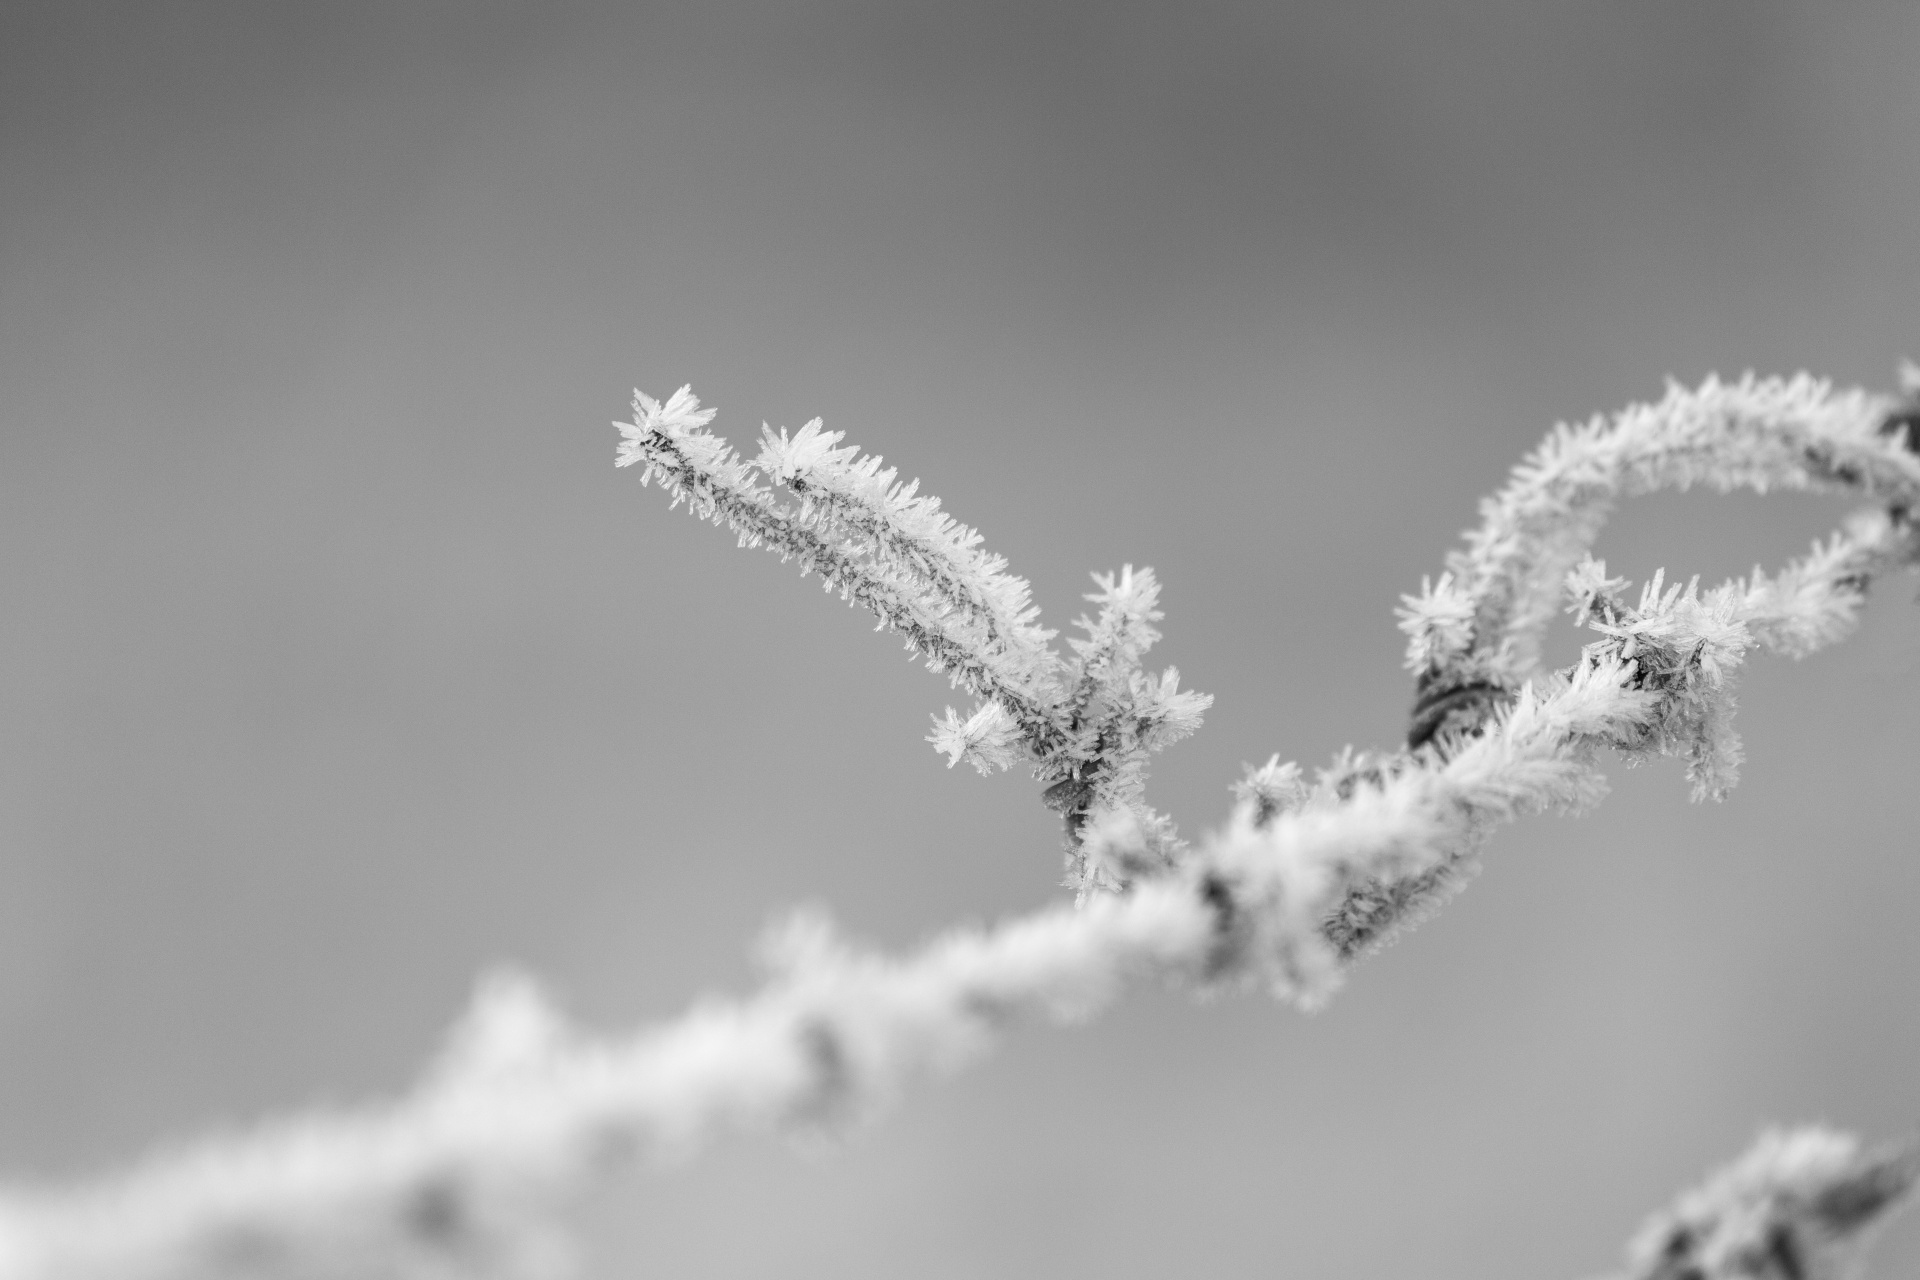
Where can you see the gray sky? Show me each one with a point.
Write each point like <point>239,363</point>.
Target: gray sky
<point>338,662</point>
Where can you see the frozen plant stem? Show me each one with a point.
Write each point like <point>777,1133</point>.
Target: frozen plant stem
<point>462,1176</point>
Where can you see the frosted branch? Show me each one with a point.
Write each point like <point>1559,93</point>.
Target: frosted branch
<point>989,659</point>
<point>462,1176</point>
<point>910,539</point>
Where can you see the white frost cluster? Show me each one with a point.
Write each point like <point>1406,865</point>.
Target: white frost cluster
<point>461,1178</point>
<point>989,739</point>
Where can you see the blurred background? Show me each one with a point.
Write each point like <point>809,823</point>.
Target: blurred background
<point>338,662</point>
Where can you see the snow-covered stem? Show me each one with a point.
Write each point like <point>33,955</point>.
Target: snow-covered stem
<point>851,497</point>
<point>461,1176</point>
<point>989,648</point>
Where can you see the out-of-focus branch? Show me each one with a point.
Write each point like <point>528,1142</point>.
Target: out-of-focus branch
<point>1800,1204</point>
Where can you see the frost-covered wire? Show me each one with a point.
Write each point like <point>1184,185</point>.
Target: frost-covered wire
<point>462,1176</point>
